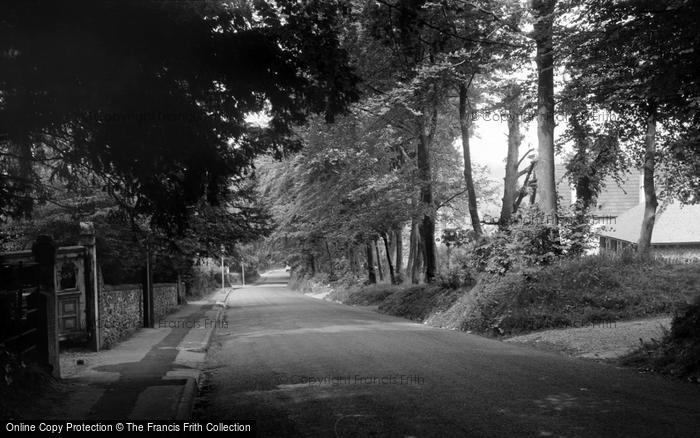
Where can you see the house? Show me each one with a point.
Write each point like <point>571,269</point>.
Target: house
<point>614,199</point>
<point>676,231</point>
<point>620,210</point>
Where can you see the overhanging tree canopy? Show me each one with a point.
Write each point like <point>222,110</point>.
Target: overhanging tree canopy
<point>152,96</point>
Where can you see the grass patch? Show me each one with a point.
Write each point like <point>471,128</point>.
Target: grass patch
<point>415,302</point>
<point>574,293</point>
<point>370,295</point>
<point>419,302</point>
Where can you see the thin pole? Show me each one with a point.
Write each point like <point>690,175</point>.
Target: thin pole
<point>222,272</point>
<point>242,274</point>
<point>96,291</point>
<point>149,287</point>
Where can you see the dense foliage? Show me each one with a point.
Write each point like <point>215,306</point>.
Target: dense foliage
<point>387,171</point>
<point>150,98</point>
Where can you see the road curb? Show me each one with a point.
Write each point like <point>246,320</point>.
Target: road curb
<point>210,333</point>
<point>190,391</point>
<point>186,404</point>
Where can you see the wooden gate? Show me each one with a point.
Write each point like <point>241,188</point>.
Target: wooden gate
<point>23,319</point>
<point>28,304</point>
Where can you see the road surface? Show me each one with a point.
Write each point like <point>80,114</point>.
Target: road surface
<point>306,367</point>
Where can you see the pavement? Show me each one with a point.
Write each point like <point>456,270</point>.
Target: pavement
<point>153,375</point>
<point>303,367</point>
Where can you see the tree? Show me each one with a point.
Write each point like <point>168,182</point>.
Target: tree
<point>489,33</point>
<point>418,44</point>
<point>650,200</point>
<point>510,181</point>
<point>637,60</point>
<point>443,45</point>
<point>122,239</point>
<point>152,97</point>
<point>543,11</point>
<point>344,189</point>
<point>464,122</point>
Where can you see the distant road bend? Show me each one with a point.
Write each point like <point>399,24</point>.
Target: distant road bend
<point>305,367</point>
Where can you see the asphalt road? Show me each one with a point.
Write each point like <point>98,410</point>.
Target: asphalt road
<point>305,367</point>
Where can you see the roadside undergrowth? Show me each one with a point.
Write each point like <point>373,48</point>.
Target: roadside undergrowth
<point>677,353</point>
<point>568,293</point>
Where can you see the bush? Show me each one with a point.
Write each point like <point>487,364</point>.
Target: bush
<point>458,274</point>
<point>252,276</point>
<point>200,282</point>
<point>349,280</point>
<point>531,240</point>
<point>455,278</point>
<point>678,353</point>
<point>296,280</point>
<point>491,255</point>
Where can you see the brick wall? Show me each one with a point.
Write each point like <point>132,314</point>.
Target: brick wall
<point>680,252</point>
<point>120,312</point>
<point>164,300</point>
<point>121,309</point>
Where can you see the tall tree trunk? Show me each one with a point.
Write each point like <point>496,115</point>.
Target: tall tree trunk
<point>533,191</point>
<point>464,125</point>
<point>350,254</point>
<point>379,261</point>
<point>391,238</point>
<point>352,258</point>
<point>388,259</point>
<point>546,186</point>
<point>650,201</point>
<point>330,261</point>
<point>399,254</point>
<point>510,186</point>
<point>585,192</point>
<point>411,248</point>
<point>371,275</point>
<point>417,264</point>
<point>428,248</point>
<point>449,257</point>
<point>524,189</point>
<point>312,264</point>
<point>427,226</point>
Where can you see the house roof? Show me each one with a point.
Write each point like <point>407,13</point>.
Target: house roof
<point>674,224</point>
<point>614,198</point>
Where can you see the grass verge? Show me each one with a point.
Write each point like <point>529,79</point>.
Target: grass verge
<point>573,293</point>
